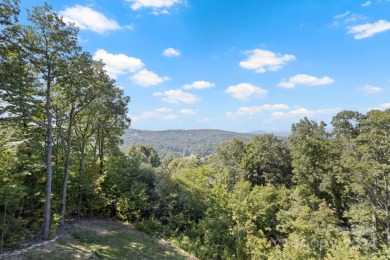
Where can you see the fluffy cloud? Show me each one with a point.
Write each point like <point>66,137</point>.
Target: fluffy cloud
<point>88,19</point>
<point>177,96</point>
<point>371,89</point>
<point>381,107</point>
<point>199,85</point>
<point>245,91</point>
<point>188,112</point>
<point>369,29</point>
<point>262,60</point>
<point>154,4</point>
<point>301,112</point>
<point>117,64</point>
<point>385,106</point>
<point>171,52</point>
<point>244,111</point>
<point>148,78</point>
<point>366,4</point>
<point>159,113</point>
<point>303,79</point>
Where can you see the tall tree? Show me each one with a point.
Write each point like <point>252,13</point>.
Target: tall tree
<point>47,42</point>
<point>366,170</point>
<point>267,160</point>
<point>313,160</point>
<point>77,89</point>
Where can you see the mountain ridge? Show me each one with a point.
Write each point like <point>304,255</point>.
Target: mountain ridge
<point>178,142</point>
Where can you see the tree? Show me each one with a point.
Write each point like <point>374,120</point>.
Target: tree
<point>47,43</point>
<point>266,160</point>
<point>366,161</point>
<point>12,190</point>
<point>149,154</point>
<point>77,88</point>
<point>228,159</point>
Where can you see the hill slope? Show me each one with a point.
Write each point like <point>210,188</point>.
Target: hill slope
<point>181,142</point>
<point>103,239</point>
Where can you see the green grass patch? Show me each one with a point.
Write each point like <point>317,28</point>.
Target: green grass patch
<point>122,244</point>
<point>103,239</point>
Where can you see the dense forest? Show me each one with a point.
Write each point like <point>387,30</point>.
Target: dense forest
<point>317,195</point>
<point>181,142</point>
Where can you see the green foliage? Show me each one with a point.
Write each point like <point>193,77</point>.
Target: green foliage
<point>45,79</point>
<point>181,142</point>
<point>266,160</point>
<point>128,186</point>
<point>149,155</point>
<point>12,192</point>
<point>324,195</point>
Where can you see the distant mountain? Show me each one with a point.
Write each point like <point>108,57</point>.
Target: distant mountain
<point>181,142</point>
<point>259,132</point>
<point>184,142</point>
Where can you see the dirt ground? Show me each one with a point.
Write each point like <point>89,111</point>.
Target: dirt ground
<point>65,246</point>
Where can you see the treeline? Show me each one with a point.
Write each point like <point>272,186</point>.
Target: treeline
<point>181,142</point>
<point>320,195</point>
<point>61,116</point>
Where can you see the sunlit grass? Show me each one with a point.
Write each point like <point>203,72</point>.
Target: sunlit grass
<point>116,241</point>
<point>124,245</point>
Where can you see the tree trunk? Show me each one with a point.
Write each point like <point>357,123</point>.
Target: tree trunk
<point>388,231</point>
<point>2,231</point>
<point>81,173</point>
<point>387,221</point>
<point>374,229</point>
<point>101,151</point>
<point>47,214</point>
<point>67,163</point>
<point>49,170</point>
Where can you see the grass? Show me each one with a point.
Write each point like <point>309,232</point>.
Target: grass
<point>113,240</point>
<point>123,245</point>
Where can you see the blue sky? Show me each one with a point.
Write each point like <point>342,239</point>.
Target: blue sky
<point>238,65</point>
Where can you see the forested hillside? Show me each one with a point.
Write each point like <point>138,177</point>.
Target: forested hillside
<point>181,142</point>
<point>317,195</point>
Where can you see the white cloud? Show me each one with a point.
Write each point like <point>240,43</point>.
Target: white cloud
<point>148,78</point>
<point>381,107</point>
<point>347,18</point>
<point>302,112</point>
<point>369,29</point>
<point>177,96</point>
<point>163,110</point>
<point>88,19</point>
<point>244,91</point>
<point>206,119</point>
<point>371,89</point>
<point>342,15</point>
<point>385,106</point>
<point>262,60</point>
<point>244,111</point>
<point>328,111</point>
<point>199,85</point>
<point>299,112</point>
<point>303,79</point>
<point>159,113</point>
<point>366,4</point>
<point>171,52</point>
<point>188,112</point>
<point>154,4</point>
<point>354,18</point>
<point>117,64</point>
